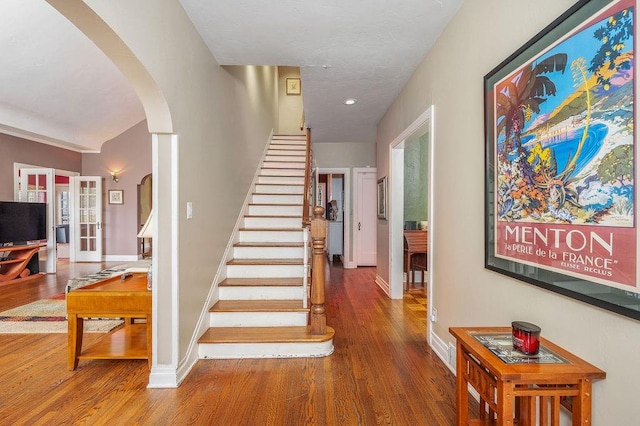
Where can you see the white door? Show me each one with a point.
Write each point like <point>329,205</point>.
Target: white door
<point>86,218</point>
<point>36,186</point>
<point>365,215</point>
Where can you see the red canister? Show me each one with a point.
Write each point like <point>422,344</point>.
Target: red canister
<point>526,337</point>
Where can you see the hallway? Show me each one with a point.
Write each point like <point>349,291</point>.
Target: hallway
<point>382,372</point>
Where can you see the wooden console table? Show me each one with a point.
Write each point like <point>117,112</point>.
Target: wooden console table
<point>13,266</point>
<point>111,298</point>
<point>519,393</point>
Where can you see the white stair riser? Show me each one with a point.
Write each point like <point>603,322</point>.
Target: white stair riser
<point>265,271</point>
<point>287,149</point>
<point>268,252</point>
<point>293,180</point>
<point>277,199</point>
<point>281,172</point>
<point>271,210</point>
<point>257,319</point>
<point>261,293</point>
<point>279,189</point>
<point>302,140</point>
<point>248,236</point>
<point>298,152</point>
<point>290,159</point>
<point>283,165</point>
<point>273,222</point>
<point>265,350</point>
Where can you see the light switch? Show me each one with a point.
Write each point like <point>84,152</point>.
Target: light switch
<point>189,210</point>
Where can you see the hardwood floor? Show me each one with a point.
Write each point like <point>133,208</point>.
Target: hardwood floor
<point>382,373</point>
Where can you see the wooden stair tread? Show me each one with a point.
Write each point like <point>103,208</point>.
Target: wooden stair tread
<point>275,204</point>
<point>263,335</point>
<point>280,176</point>
<point>265,245</point>
<point>258,306</point>
<point>296,169</point>
<point>271,229</point>
<point>280,184</point>
<point>276,193</point>
<point>265,262</point>
<point>261,282</point>
<point>267,216</point>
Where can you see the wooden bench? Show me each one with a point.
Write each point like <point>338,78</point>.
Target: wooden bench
<point>415,254</point>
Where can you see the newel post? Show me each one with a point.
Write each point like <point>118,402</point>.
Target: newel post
<point>318,238</point>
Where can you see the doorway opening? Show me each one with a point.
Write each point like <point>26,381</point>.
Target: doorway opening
<point>38,188</point>
<point>334,195</point>
<point>422,131</point>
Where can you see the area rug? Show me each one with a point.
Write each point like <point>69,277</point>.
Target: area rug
<point>48,316</point>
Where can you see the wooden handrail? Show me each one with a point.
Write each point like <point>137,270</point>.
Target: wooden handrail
<point>307,201</point>
<point>318,320</point>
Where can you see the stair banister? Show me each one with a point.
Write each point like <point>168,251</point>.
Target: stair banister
<point>318,320</point>
<point>305,267</point>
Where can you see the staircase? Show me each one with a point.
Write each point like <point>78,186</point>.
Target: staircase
<point>262,310</point>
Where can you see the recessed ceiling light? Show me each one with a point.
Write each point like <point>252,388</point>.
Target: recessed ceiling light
<point>350,101</point>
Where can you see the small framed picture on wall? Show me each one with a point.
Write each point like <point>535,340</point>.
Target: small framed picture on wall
<point>116,196</point>
<point>293,86</point>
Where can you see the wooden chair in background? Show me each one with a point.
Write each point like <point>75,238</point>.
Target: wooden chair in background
<point>415,254</point>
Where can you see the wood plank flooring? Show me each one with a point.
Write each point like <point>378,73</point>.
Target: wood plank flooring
<point>382,373</point>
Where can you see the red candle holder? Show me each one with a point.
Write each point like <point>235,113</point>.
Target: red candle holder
<point>526,337</point>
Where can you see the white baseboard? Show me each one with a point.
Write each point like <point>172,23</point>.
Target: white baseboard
<point>441,349</point>
<point>163,377</point>
<point>383,285</point>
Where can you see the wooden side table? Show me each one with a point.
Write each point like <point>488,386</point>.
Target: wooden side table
<point>111,298</point>
<point>520,393</point>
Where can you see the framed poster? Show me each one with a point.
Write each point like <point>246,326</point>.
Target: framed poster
<point>382,198</point>
<point>293,86</point>
<point>116,196</point>
<point>560,163</point>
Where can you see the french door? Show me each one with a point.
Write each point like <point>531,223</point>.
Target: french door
<point>36,186</point>
<point>86,218</point>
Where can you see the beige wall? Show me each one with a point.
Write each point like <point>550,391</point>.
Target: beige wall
<point>290,105</point>
<point>344,154</point>
<point>130,155</point>
<point>481,35</point>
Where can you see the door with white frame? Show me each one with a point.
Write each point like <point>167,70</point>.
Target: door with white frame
<point>36,186</point>
<point>86,218</point>
<point>346,212</point>
<point>365,233</point>
<point>424,124</point>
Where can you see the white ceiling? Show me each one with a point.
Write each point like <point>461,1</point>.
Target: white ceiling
<point>59,88</point>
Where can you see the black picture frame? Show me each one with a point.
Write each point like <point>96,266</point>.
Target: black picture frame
<point>382,198</point>
<point>503,147</point>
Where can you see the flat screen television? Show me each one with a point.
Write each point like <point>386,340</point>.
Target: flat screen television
<point>22,222</point>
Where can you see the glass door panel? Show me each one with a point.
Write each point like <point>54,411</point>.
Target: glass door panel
<point>36,186</point>
<point>88,209</point>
